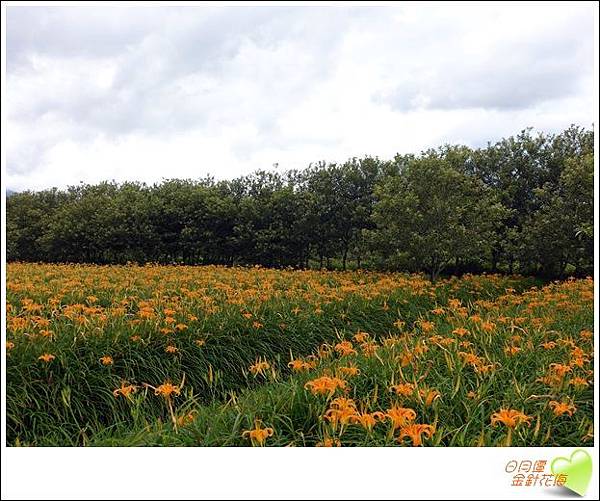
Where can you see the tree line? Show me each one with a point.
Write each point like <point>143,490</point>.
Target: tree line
<point>523,204</point>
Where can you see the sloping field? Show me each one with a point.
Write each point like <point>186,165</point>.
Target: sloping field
<point>214,356</point>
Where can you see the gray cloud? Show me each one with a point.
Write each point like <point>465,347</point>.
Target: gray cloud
<point>518,73</point>
<point>91,89</point>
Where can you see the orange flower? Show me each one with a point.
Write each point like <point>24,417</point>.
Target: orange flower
<point>349,371</point>
<point>548,345</point>
<point>469,358</point>
<point>171,349</point>
<point>488,326</point>
<point>345,348</point>
<point>426,325</point>
<point>579,382</point>
<point>511,350</point>
<point>560,408</point>
<point>106,360</point>
<point>404,389</point>
<point>10,345</point>
<point>560,369</point>
<point>510,418</point>
<point>442,341</point>
<point>46,357</point>
<point>400,416</point>
<point>369,349</point>
<point>200,342</point>
<point>341,411</point>
<point>484,369</point>
<point>167,389</point>
<point>341,416</point>
<point>325,385</point>
<point>186,418</point>
<point>429,395</point>
<point>367,420</point>
<point>258,435</point>
<point>125,390</point>
<point>579,361</point>
<point>460,331</point>
<point>414,432</point>
<point>406,358</point>
<point>342,403</point>
<point>361,337</point>
<point>259,367</point>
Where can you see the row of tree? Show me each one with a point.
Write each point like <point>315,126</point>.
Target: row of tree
<point>523,204</point>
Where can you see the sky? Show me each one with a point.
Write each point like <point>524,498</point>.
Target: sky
<point>147,93</point>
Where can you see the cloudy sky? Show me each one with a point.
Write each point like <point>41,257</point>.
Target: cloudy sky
<point>146,93</point>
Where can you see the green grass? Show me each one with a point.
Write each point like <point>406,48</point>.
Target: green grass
<point>70,401</point>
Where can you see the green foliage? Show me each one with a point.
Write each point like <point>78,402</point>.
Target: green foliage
<point>521,205</point>
<point>436,215</point>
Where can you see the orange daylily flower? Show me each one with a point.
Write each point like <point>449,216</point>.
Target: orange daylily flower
<point>460,331</point>
<point>125,390</point>
<point>258,435</point>
<point>578,382</point>
<point>259,367</point>
<point>415,431</point>
<point>325,385</point>
<point>299,365</point>
<point>510,418</point>
<point>361,337</point>
<point>349,371</point>
<point>106,360</point>
<point>511,350</point>
<point>400,416</point>
<point>345,348</point>
<point>367,420</point>
<point>560,408</point>
<point>404,389</point>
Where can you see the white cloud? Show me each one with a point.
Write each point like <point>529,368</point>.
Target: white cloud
<point>144,93</point>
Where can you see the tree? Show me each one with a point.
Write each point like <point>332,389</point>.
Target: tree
<point>434,215</point>
<point>561,231</point>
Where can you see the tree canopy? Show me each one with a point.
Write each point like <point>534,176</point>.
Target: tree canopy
<point>523,204</point>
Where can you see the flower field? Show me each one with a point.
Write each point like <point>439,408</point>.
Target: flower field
<point>215,356</point>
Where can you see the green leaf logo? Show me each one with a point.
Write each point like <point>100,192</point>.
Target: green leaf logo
<point>578,470</point>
